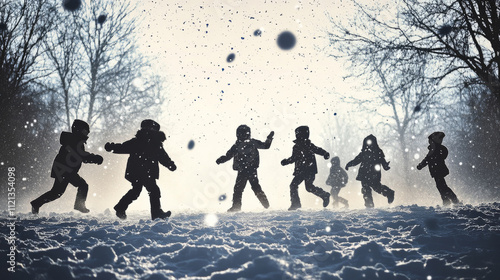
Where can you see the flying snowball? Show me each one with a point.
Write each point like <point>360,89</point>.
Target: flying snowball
<point>211,220</point>
<point>286,40</point>
<point>71,5</point>
<point>222,197</point>
<point>3,27</point>
<point>101,19</point>
<point>230,57</point>
<point>257,32</point>
<point>191,145</point>
<point>445,30</point>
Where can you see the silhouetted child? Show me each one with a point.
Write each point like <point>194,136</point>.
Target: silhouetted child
<point>66,166</point>
<point>146,150</point>
<point>435,160</point>
<point>372,160</point>
<point>337,180</point>
<point>303,155</point>
<point>246,161</point>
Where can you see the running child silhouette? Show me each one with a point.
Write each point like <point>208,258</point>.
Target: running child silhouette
<point>337,180</point>
<point>437,167</point>
<point>246,161</point>
<point>303,155</point>
<point>372,160</point>
<point>66,166</point>
<point>145,150</point>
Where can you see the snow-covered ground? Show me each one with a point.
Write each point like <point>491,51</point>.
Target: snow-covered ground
<point>404,242</point>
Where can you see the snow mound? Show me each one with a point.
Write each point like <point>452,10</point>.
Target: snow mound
<point>404,242</point>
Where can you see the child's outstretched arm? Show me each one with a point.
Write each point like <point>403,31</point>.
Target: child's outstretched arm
<point>267,144</point>
<point>320,151</point>
<point>93,158</point>
<point>117,148</point>
<point>354,162</point>
<point>166,161</point>
<point>293,158</point>
<point>229,155</point>
<point>423,163</point>
<point>88,157</point>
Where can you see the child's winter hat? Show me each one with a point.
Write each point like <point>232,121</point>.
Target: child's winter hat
<point>150,124</point>
<point>302,132</point>
<point>335,160</point>
<point>437,137</point>
<point>243,132</point>
<point>78,126</point>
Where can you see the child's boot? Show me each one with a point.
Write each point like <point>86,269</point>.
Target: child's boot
<point>326,199</point>
<point>294,197</point>
<point>34,207</point>
<point>160,214</point>
<point>81,207</point>
<point>236,201</point>
<point>263,199</point>
<point>120,213</point>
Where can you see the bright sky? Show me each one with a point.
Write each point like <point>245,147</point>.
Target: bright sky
<point>264,87</point>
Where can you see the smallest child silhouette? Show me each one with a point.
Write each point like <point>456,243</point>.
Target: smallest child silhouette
<point>435,160</point>
<point>337,180</point>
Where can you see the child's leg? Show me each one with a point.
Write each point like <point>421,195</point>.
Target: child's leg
<point>310,187</point>
<point>81,195</point>
<point>130,196</point>
<point>344,201</point>
<point>57,190</point>
<point>334,192</point>
<point>239,186</point>
<point>257,189</point>
<point>294,192</point>
<point>383,190</point>
<point>154,199</point>
<point>447,195</point>
<point>367,193</point>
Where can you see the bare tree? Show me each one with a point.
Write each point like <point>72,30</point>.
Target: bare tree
<point>456,36</point>
<point>27,128</point>
<point>98,71</point>
<point>23,25</point>
<point>410,97</point>
<point>63,49</point>
<point>458,43</point>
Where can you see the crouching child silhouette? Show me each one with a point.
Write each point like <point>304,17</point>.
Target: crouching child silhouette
<point>437,167</point>
<point>303,155</point>
<point>337,180</point>
<point>145,150</point>
<point>246,161</point>
<point>66,166</point>
<point>372,160</point>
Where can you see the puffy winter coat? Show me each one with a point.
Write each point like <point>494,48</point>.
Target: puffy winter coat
<point>372,160</point>
<point>337,177</point>
<point>303,155</point>
<point>71,155</point>
<point>435,160</point>
<point>146,151</point>
<point>246,154</point>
